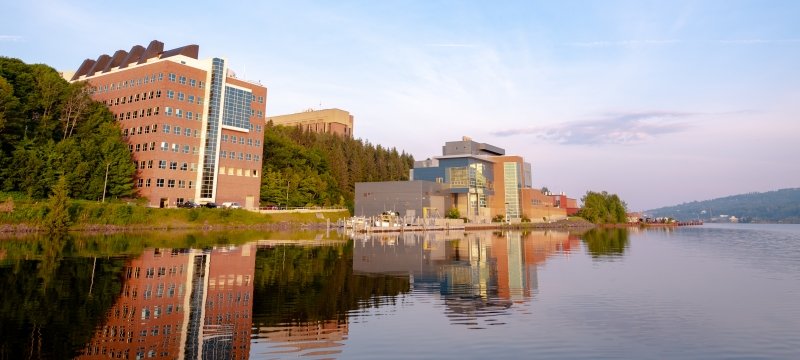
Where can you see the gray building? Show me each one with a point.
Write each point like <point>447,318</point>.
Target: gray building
<point>417,198</point>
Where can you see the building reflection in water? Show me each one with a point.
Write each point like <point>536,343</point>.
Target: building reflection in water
<point>181,303</point>
<point>479,274</point>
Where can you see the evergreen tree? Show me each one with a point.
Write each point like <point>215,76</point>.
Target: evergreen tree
<point>57,219</point>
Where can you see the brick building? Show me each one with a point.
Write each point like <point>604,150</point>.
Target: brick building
<point>194,129</point>
<point>332,121</point>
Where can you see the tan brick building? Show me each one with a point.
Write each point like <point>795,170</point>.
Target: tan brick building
<point>332,121</point>
<point>194,129</point>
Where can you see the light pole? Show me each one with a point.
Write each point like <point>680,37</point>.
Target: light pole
<point>287,194</point>
<point>105,182</point>
<point>506,213</point>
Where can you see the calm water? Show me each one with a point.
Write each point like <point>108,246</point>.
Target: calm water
<point>711,292</point>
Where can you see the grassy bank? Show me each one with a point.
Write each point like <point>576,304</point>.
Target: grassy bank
<point>20,214</point>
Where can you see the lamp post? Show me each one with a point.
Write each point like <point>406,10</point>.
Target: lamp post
<point>287,194</point>
<point>105,182</point>
<point>506,213</point>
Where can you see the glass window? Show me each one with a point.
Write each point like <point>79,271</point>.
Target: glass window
<point>182,80</point>
<point>184,166</point>
<point>224,137</point>
<point>173,165</point>
<point>164,145</point>
<point>175,147</point>
<point>185,149</point>
<point>192,82</point>
<point>171,183</point>
<point>162,164</point>
<point>190,98</point>
<point>172,77</point>
<point>170,94</point>
<point>181,96</point>
<point>159,182</point>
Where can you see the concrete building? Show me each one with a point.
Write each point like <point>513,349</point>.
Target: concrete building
<point>331,121</point>
<point>409,198</point>
<point>195,130</point>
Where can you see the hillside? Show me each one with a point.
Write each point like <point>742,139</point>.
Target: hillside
<point>780,206</point>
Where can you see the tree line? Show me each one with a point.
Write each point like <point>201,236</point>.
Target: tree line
<point>50,128</point>
<point>306,168</point>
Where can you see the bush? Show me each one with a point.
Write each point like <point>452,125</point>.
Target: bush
<point>453,213</point>
<point>499,218</point>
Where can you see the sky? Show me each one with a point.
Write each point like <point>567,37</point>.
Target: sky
<point>661,102</point>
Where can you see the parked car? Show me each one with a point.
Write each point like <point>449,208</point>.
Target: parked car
<point>231,205</point>
<point>188,205</point>
<point>210,205</point>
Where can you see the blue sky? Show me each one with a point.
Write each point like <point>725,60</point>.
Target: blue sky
<point>660,102</point>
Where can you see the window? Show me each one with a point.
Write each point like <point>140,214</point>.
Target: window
<point>166,128</point>
<point>190,98</point>
<point>172,77</point>
<point>147,129</point>
<point>192,82</point>
<point>190,184</point>
<point>168,111</point>
<point>192,167</point>
<point>178,113</point>
<point>249,142</point>
<point>138,147</point>
<point>241,140</point>
<point>233,139</point>
<point>248,157</point>
<point>177,130</point>
<point>241,156</point>
<point>158,93</point>
<point>170,94</point>
<point>171,183</point>
<point>223,154</point>
<point>258,128</point>
<point>200,100</point>
<point>196,133</point>
<point>181,184</point>
<point>155,112</point>
<point>187,132</point>
<point>184,166</point>
<point>159,182</point>
<point>181,96</point>
<point>147,183</point>
<point>175,147</point>
<point>149,164</point>
<point>152,145</point>
<point>261,99</point>
<point>256,158</point>
<point>194,148</point>
<point>258,143</point>
<point>164,146</point>
<point>173,165</point>
<point>185,149</point>
<point>189,116</point>
<point>139,182</point>
<point>200,84</point>
<point>224,138</point>
<point>182,80</point>
<point>124,132</point>
<point>162,164</point>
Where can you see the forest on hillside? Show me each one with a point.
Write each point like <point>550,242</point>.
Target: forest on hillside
<point>780,206</point>
<point>305,168</point>
<point>50,128</point>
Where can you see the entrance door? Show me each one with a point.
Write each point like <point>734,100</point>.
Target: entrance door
<point>163,203</point>
<point>249,202</point>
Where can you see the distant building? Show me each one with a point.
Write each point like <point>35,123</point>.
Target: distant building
<point>567,203</point>
<point>331,121</point>
<point>476,178</point>
<point>194,129</point>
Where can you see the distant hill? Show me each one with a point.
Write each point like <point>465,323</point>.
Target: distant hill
<point>780,206</point>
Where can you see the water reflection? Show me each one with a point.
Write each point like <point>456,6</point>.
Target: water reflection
<point>607,243</point>
<point>479,276</point>
<point>180,303</point>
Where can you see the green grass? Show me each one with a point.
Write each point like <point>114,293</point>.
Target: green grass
<point>87,214</point>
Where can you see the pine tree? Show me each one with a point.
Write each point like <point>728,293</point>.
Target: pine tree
<point>57,219</point>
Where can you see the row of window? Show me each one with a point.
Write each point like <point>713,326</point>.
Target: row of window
<point>242,140</point>
<point>129,83</point>
<point>165,146</point>
<point>188,115</point>
<point>238,172</point>
<point>177,131</point>
<point>170,183</point>
<point>233,155</point>
<point>151,272</point>
<point>180,96</point>
<point>183,80</point>
<point>162,164</point>
<point>136,114</point>
<point>133,98</point>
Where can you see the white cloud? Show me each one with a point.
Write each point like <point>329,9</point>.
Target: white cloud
<point>10,38</point>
